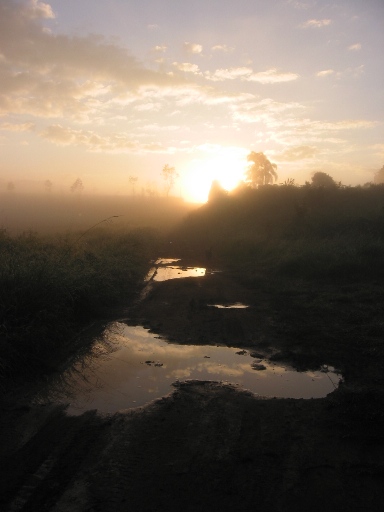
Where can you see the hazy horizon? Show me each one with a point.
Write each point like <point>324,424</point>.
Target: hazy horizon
<point>104,90</point>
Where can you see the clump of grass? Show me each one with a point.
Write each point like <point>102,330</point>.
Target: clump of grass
<point>49,287</point>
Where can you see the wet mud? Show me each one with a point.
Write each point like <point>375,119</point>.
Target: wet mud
<point>207,445</point>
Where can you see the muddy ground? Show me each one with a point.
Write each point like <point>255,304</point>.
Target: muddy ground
<point>208,445</point>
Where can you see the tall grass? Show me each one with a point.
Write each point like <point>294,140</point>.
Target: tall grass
<point>301,232</point>
<point>49,287</point>
<point>339,258</point>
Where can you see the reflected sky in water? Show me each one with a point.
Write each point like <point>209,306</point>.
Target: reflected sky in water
<point>165,270</point>
<point>172,272</point>
<point>137,367</point>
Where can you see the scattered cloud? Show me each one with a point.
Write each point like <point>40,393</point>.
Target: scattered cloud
<point>40,9</point>
<point>313,23</point>
<point>325,72</point>
<point>187,67</point>
<point>160,48</point>
<point>17,127</point>
<point>116,142</point>
<point>355,47</point>
<point>47,75</point>
<point>270,76</point>
<point>297,153</point>
<point>267,111</point>
<point>193,48</point>
<point>228,74</point>
<point>222,48</point>
<point>352,72</point>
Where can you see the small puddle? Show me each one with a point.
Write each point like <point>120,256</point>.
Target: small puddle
<point>132,367</point>
<point>236,305</point>
<point>171,272</point>
<point>165,269</point>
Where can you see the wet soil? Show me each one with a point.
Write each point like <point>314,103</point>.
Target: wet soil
<point>209,445</point>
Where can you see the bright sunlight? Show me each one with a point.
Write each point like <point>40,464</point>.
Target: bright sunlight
<point>227,165</point>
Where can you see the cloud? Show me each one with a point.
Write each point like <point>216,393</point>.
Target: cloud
<point>39,9</point>
<point>307,126</point>
<point>49,75</point>
<point>355,47</point>
<point>228,74</point>
<point>297,153</point>
<point>267,111</point>
<point>270,76</point>
<point>187,67</point>
<point>222,48</point>
<point>193,48</point>
<point>325,72</point>
<point>160,48</point>
<point>313,23</point>
<point>116,142</point>
<point>17,127</point>
<point>346,73</point>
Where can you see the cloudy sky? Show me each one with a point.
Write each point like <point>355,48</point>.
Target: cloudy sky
<point>108,89</point>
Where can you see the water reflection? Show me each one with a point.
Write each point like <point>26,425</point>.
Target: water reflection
<point>170,272</point>
<point>132,367</point>
<point>236,305</point>
<point>164,270</point>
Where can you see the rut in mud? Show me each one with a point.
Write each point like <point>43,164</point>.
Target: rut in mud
<point>206,446</point>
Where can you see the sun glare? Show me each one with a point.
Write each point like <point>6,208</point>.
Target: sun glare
<point>227,167</point>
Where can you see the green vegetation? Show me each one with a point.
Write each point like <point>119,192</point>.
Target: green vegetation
<point>51,287</point>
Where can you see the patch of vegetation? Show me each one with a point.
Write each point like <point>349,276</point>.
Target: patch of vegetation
<point>51,286</point>
<point>314,256</point>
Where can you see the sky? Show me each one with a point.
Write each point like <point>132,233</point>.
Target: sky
<point>105,90</point>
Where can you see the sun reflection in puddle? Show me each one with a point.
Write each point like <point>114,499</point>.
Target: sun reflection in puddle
<point>138,367</point>
<point>170,272</point>
<point>165,269</point>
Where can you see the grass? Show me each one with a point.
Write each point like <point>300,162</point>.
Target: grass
<point>52,286</point>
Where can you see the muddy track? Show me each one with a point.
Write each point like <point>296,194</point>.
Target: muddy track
<point>207,446</point>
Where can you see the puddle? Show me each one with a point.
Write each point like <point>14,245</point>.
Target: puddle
<point>133,367</point>
<point>165,270</point>
<point>236,305</point>
<point>169,272</point>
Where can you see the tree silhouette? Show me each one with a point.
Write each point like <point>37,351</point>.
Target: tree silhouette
<point>133,180</point>
<point>262,171</point>
<point>216,192</point>
<point>322,179</point>
<point>77,186</point>
<point>169,176</point>
<point>48,185</point>
<point>379,176</point>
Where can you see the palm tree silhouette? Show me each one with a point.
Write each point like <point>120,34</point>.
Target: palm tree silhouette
<point>262,171</point>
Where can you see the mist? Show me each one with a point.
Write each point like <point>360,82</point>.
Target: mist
<point>52,212</point>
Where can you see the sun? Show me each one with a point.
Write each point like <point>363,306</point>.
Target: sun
<point>227,167</point>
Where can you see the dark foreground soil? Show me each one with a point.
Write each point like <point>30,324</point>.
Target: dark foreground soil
<point>207,446</point>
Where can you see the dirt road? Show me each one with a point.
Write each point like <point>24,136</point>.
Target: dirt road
<point>207,446</point>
